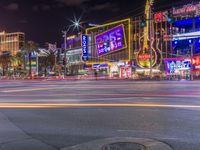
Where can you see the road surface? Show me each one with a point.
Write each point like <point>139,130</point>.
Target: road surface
<point>51,115</point>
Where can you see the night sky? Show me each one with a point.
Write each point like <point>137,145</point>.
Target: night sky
<point>43,20</point>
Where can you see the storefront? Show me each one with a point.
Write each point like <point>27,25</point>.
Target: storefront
<point>110,48</point>
<point>101,69</point>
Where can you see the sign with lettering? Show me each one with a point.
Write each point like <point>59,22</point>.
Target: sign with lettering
<point>111,40</point>
<point>173,65</point>
<point>84,47</point>
<point>186,9</point>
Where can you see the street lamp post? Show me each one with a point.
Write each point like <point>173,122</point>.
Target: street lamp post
<point>192,49</point>
<point>65,52</point>
<point>150,39</point>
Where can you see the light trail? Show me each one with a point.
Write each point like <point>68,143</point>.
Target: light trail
<point>58,88</point>
<point>67,105</point>
<point>112,95</point>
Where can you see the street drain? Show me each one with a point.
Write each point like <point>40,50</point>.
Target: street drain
<point>124,146</point>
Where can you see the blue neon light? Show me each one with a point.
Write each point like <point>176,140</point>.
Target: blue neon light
<point>190,41</point>
<point>85,47</point>
<point>186,22</point>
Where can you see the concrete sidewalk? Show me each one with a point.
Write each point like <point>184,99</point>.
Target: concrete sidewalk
<point>13,138</point>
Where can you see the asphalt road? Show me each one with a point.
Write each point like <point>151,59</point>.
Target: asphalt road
<point>50,115</point>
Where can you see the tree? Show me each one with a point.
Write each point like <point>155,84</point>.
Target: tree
<point>49,60</point>
<point>30,47</point>
<point>17,61</point>
<point>5,61</point>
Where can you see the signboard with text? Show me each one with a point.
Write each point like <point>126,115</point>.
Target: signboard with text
<point>111,40</point>
<point>186,9</point>
<point>176,64</point>
<point>84,47</point>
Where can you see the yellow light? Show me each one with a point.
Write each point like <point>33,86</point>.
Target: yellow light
<point>65,105</point>
<point>107,24</point>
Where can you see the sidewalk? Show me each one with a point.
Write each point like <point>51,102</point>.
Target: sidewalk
<point>13,138</point>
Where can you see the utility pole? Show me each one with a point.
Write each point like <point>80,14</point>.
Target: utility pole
<point>65,52</point>
<point>192,48</point>
<point>150,38</point>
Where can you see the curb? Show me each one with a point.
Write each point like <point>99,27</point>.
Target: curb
<point>149,144</point>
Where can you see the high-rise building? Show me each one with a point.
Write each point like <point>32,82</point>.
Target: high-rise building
<point>11,42</point>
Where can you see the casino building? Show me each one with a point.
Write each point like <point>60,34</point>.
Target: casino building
<point>11,42</point>
<point>177,32</point>
<point>167,43</point>
<point>110,49</point>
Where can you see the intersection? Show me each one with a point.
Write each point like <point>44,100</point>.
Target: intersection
<point>58,114</point>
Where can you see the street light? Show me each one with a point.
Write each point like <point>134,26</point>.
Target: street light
<point>75,24</point>
<point>65,51</point>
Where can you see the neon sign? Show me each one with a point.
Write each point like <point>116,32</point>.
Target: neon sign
<point>173,65</point>
<point>111,40</point>
<point>84,47</point>
<point>144,56</point>
<point>160,16</point>
<point>196,62</point>
<point>186,9</point>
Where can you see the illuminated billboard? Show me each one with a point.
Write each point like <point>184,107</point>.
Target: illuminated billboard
<point>111,40</point>
<point>173,65</point>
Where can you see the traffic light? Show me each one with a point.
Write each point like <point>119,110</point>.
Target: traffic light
<point>143,21</point>
<point>170,18</point>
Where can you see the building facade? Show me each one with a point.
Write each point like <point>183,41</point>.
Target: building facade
<point>73,60</point>
<point>153,43</point>
<point>11,42</point>
<point>110,48</point>
<point>177,32</point>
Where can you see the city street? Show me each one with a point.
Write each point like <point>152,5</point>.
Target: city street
<point>51,115</point>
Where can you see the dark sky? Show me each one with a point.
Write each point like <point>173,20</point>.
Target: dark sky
<point>43,20</point>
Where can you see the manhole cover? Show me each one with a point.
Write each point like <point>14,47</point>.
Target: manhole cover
<point>123,146</point>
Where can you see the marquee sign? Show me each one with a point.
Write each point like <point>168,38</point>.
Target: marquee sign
<point>111,40</point>
<point>176,64</point>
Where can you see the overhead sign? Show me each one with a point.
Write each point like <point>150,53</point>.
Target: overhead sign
<point>111,40</point>
<point>84,47</point>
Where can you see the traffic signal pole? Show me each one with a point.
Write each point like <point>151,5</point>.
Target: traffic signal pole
<point>150,39</point>
<point>192,49</point>
<point>65,52</point>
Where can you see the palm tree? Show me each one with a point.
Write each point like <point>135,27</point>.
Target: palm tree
<point>17,61</point>
<point>49,59</point>
<point>5,61</point>
<point>30,47</point>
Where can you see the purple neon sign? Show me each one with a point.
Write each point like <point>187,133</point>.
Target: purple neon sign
<point>175,64</point>
<point>110,40</point>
